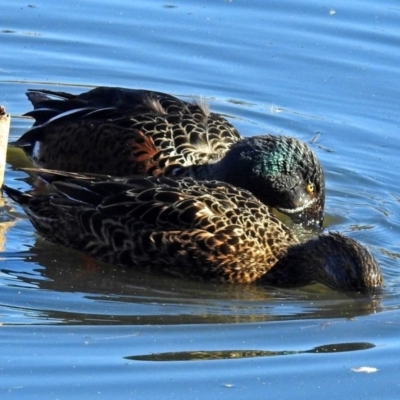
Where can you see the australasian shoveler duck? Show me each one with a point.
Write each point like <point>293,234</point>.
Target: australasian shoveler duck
<point>198,229</point>
<point>125,132</point>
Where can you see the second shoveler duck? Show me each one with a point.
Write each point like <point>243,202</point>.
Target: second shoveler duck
<point>208,230</point>
<point>125,132</point>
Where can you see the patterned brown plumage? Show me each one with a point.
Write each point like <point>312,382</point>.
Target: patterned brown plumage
<point>208,230</point>
<point>125,132</point>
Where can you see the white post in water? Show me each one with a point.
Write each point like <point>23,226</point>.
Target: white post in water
<point>4,132</point>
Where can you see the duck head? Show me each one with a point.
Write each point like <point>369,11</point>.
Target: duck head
<point>345,264</point>
<point>282,172</point>
<point>334,260</point>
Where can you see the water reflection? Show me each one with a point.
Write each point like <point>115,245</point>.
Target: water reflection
<point>75,289</point>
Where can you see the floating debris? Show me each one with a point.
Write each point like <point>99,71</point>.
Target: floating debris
<point>365,370</point>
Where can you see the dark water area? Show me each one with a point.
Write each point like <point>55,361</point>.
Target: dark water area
<point>326,73</point>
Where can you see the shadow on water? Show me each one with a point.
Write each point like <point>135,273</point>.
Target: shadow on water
<point>237,354</point>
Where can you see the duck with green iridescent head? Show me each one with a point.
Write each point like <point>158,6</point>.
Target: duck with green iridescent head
<point>206,230</point>
<point>125,132</point>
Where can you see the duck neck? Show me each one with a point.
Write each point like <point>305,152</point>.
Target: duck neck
<point>293,269</point>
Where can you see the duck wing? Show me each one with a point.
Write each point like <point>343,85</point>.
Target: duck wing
<point>97,131</point>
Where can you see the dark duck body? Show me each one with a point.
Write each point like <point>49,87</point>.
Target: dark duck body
<point>125,132</point>
<point>207,230</point>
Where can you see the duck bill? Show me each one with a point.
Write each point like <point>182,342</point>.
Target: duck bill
<point>305,210</point>
<point>310,215</point>
<point>309,218</point>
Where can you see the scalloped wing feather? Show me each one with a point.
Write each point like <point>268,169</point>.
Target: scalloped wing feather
<point>92,132</point>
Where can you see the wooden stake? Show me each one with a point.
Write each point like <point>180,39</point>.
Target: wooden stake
<point>4,132</point>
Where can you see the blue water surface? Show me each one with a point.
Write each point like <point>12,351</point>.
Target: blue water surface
<point>324,72</point>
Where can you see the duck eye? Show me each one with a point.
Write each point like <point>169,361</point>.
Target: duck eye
<point>310,188</point>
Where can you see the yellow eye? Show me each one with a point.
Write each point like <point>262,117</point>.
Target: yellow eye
<point>310,188</point>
